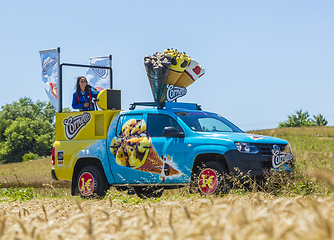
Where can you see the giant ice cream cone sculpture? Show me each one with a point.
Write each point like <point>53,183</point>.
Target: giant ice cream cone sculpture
<point>157,69</point>
<point>180,61</point>
<point>135,150</point>
<point>190,74</point>
<point>170,73</point>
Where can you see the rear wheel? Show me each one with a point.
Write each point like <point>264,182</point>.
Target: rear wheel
<point>92,182</point>
<point>211,179</point>
<point>148,191</point>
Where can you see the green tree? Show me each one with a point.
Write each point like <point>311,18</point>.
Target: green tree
<point>319,120</point>
<point>26,135</point>
<point>9,113</point>
<point>44,110</point>
<point>25,108</point>
<point>302,119</point>
<point>25,127</point>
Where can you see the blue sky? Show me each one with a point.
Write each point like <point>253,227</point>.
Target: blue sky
<point>263,59</point>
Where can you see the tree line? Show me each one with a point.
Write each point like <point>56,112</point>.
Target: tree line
<point>27,130</point>
<point>302,119</point>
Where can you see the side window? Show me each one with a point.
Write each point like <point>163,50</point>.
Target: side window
<point>127,119</point>
<point>157,122</point>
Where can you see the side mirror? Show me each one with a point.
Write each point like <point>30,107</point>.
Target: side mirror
<point>172,132</point>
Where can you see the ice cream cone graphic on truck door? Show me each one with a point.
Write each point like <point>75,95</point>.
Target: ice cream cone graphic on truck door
<point>135,150</point>
<point>154,164</point>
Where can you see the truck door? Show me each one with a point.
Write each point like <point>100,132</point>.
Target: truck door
<point>167,153</point>
<point>125,156</point>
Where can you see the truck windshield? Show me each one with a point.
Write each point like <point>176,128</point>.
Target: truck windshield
<point>207,122</point>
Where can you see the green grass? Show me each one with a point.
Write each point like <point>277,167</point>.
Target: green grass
<point>15,194</point>
<point>34,173</point>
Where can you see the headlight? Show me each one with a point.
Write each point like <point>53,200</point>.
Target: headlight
<point>246,147</point>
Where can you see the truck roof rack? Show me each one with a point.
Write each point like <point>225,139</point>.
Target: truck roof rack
<point>161,105</point>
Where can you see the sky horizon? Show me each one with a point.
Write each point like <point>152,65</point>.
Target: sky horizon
<point>263,60</point>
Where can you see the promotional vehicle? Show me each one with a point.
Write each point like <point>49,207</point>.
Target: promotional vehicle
<point>160,145</point>
<point>163,146</point>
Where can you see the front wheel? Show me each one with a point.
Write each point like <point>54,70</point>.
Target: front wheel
<point>92,182</point>
<point>211,179</point>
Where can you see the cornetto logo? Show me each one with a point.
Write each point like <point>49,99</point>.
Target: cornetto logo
<point>279,158</point>
<point>48,63</point>
<point>73,125</point>
<point>174,93</point>
<point>102,73</point>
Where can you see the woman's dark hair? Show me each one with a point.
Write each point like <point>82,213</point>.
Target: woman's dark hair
<point>77,86</point>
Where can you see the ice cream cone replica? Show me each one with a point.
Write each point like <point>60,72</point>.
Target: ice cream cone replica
<point>179,61</point>
<point>154,164</point>
<point>157,69</point>
<point>190,74</point>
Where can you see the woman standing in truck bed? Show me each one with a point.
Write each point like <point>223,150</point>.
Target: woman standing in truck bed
<point>82,97</point>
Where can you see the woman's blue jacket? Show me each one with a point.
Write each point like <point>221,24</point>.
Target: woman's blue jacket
<point>82,97</point>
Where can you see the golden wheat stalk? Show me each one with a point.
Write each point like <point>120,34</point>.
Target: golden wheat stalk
<point>78,204</point>
<point>45,213</point>
<point>2,225</point>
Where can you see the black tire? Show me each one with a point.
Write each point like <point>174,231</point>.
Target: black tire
<point>92,183</point>
<point>148,191</point>
<point>223,185</point>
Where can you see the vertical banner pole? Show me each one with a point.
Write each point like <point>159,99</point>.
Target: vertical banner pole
<point>60,84</point>
<point>111,83</point>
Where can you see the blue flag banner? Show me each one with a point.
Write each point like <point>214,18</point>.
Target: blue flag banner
<point>98,77</point>
<point>50,66</point>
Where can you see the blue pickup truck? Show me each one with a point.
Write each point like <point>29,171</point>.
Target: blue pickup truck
<point>157,146</point>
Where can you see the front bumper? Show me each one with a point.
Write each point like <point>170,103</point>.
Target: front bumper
<point>253,164</point>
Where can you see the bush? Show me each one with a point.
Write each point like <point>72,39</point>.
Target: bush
<point>29,156</point>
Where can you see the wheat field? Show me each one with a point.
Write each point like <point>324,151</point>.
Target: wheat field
<point>254,216</point>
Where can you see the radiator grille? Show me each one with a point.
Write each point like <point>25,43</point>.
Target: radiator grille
<point>265,148</point>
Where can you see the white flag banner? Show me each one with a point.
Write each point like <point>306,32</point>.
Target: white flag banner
<point>50,65</point>
<point>99,77</point>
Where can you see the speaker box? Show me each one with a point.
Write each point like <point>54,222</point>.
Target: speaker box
<point>109,99</point>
